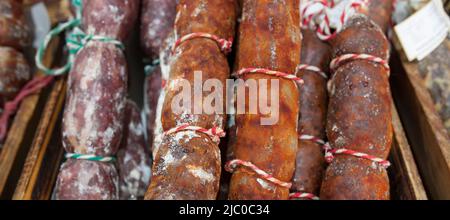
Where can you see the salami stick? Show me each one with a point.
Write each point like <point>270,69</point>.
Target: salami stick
<point>380,11</point>
<point>270,38</point>
<point>14,31</point>
<point>134,164</point>
<point>310,163</point>
<point>96,98</point>
<point>359,116</point>
<point>14,37</point>
<point>157,19</point>
<point>187,164</point>
<point>14,73</point>
<point>14,69</point>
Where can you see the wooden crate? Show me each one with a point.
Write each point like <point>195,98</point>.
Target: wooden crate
<point>24,123</point>
<point>428,137</point>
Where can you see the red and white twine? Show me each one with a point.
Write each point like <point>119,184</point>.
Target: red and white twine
<point>234,164</point>
<point>330,155</point>
<point>349,57</point>
<point>301,195</point>
<point>214,133</point>
<point>313,139</point>
<point>310,10</point>
<point>312,69</point>
<point>324,31</point>
<point>225,45</point>
<point>330,152</point>
<point>269,72</point>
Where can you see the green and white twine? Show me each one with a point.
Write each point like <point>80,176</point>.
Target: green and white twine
<point>91,158</point>
<point>75,41</point>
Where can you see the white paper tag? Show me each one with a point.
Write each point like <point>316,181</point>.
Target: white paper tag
<point>424,31</point>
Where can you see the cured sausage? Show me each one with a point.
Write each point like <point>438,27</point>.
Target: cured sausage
<point>14,37</point>
<point>96,99</point>
<point>134,163</point>
<point>310,162</point>
<point>187,164</point>
<point>155,138</point>
<point>14,73</point>
<point>269,37</point>
<point>359,115</point>
<point>380,11</point>
<point>14,31</point>
<point>157,20</point>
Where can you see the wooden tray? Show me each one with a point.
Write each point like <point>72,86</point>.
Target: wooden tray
<point>428,137</point>
<point>24,123</point>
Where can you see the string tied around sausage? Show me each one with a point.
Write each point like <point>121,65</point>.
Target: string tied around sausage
<point>324,30</point>
<point>303,195</point>
<point>311,68</point>
<point>270,73</point>
<point>224,44</point>
<point>75,41</point>
<point>330,154</point>
<point>311,10</point>
<point>335,63</point>
<point>214,133</point>
<point>90,158</point>
<point>233,165</point>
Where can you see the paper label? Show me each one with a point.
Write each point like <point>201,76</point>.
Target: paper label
<point>424,31</point>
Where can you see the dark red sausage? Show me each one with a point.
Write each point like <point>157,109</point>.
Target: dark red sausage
<point>310,162</point>
<point>134,161</point>
<point>359,116</point>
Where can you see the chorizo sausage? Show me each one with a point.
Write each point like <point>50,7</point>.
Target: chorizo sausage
<point>269,37</point>
<point>359,115</point>
<point>187,164</point>
<point>310,162</point>
<point>380,11</point>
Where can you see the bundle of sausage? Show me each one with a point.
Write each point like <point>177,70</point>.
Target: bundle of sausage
<point>14,38</point>
<point>96,100</point>
<point>269,44</point>
<point>187,164</point>
<point>359,118</point>
<point>310,162</point>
